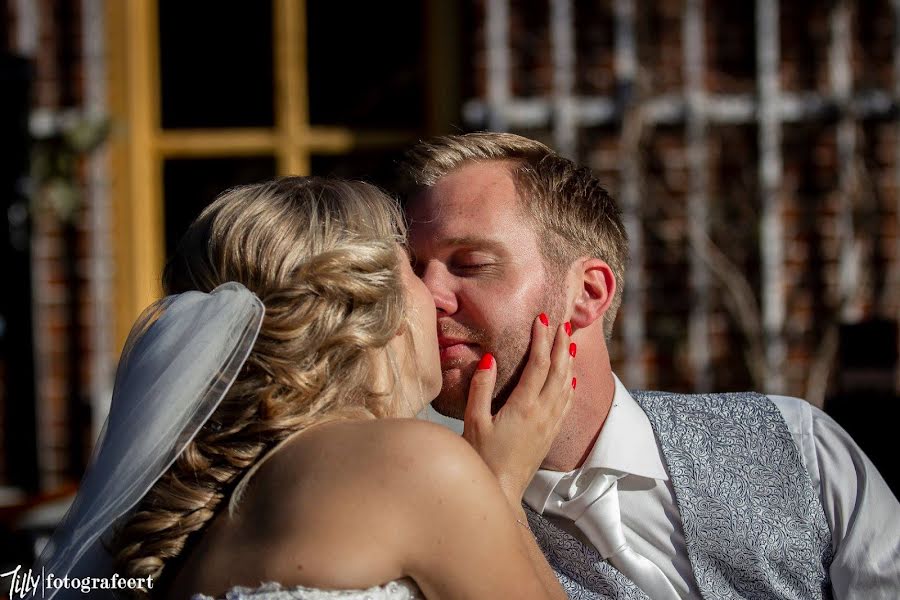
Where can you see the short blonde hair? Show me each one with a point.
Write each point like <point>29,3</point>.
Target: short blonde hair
<point>322,256</point>
<point>572,210</point>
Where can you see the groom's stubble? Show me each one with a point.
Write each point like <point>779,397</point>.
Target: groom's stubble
<point>510,345</point>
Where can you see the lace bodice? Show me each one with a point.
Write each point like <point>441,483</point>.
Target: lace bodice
<point>404,589</point>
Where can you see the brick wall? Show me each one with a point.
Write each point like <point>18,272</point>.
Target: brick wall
<point>810,188</point>
<point>62,321</point>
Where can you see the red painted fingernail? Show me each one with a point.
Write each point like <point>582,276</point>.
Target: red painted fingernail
<point>486,362</point>
<point>544,319</point>
<point>574,381</point>
<point>568,327</point>
<point>573,349</point>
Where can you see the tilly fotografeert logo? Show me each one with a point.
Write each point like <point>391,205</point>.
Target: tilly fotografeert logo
<point>33,584</point>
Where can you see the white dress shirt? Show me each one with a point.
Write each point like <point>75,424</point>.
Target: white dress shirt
<point>862,512</point>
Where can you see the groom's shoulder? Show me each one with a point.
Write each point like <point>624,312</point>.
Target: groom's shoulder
<point>679,401</point>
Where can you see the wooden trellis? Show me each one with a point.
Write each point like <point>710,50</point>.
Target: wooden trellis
<point>564,113</point>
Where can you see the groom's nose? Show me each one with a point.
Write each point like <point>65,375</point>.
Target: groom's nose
<point>439,283</point>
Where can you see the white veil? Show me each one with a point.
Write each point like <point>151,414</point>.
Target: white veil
<point>181,358</point>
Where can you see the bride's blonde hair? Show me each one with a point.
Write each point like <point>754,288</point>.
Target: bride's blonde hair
<point>322,256</point>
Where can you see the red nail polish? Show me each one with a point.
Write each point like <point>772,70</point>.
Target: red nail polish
<point>572,349</point>
<point>544,320</point>
<point>574,381</point>
<point>486,362</point>
<point>568,327</point>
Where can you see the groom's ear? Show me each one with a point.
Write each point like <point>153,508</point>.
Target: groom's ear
<point>594,288</point>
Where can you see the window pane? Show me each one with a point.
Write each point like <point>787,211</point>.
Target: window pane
<point>216,64</point>
<point>366,71</point>
<point>375,166</point>
<point>191,184</point>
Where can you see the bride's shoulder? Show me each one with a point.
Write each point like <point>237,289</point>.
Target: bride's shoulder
<point>342,480</point>
<point>378,447</point>
<point>399,458</point>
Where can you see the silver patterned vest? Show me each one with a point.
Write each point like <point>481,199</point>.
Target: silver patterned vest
<point>753,522</point>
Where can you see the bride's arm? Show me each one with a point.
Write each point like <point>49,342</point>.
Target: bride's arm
<point>463,537</point>
<point>514,442</point>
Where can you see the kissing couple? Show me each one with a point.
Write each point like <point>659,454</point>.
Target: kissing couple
<point>262,441</point>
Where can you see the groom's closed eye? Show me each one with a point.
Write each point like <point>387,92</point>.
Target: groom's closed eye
<point>473,263</point>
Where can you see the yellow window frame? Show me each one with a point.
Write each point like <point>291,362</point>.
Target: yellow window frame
<point>139,145</point>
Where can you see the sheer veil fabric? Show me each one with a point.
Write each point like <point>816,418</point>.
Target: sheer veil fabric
<point>182,355</point>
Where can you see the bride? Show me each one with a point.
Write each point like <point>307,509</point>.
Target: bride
<point>260,443</point>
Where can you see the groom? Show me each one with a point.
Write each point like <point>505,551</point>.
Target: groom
<point>642,495</point>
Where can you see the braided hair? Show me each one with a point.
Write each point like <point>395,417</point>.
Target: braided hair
<point>322,256</point>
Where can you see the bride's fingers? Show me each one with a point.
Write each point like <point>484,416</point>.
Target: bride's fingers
<point>535,373</point>
<point>562,356</point>
<point>481,391</point>
<point>566,405</point>
<point>558,400</point>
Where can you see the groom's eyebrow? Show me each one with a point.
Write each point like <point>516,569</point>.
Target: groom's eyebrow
<point>475,242</point>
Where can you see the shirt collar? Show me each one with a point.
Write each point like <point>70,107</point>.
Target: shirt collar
<point>626,443</point>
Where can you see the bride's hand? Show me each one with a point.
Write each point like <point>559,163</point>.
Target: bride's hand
<point>515,441</point>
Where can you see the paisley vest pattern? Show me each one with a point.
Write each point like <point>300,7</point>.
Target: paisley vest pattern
<point>753,523</point>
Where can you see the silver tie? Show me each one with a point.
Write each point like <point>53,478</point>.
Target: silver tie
<point>591,500</point>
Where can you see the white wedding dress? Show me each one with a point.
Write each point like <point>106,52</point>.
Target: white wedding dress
<point>403,589</point>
